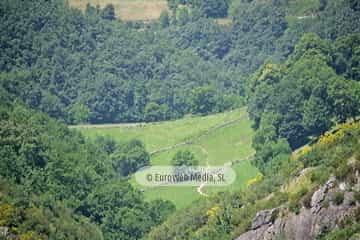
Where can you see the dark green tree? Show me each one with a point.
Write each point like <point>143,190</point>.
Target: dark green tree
<point>80,113</point>
<point>322,4</point>
<point>317,116</point>
<point>212,8</point>
<point>108,12</point>
<point>130,157</point>
<point>160,209</point>
<point>345,98</point>
<point>164,19</point>
<point>184,158</point>
<point>153,112</point>
<point>202,100</point>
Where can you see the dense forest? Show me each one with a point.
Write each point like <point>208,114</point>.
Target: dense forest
<point>66,187</point>
<point>89,67</point>
<point>298,76</point>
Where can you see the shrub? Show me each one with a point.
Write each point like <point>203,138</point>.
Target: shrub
<point>294,207</point>
<point>7,214</point>
<point>338,198</point>
<point>343,171</point>
<point>184,158</point>
<point>357,214</point>
<point>326,204</point>
<point>357,196</point>
<point>357,156</point>
<point>255,180</point>
<point>312,158</point>
<point>30,236</point>
<point>352,179</point>
<point>319,176</point>
<point>357,162</point>
<point>306,201</point>
<point>294,200</point>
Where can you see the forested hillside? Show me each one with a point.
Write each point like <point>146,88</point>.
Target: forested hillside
<point>293,65</point>
<point>54,184</point>
<point>312,91</point>
<point>90,67</point>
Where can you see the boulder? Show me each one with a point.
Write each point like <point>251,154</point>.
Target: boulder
<point>263,218</point>
<point>4,231</point>
<point>319,195</point>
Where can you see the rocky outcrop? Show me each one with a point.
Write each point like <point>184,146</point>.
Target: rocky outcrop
<point>323,215</point>
<point>3,232</point>
<point>263,218</point>
<point>319,196</point>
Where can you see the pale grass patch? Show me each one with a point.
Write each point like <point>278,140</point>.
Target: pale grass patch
<point>128,10</point>
<point>224,21</point>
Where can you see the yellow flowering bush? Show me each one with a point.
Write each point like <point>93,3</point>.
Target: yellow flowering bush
<point>30,236</point>
<point>305,150</point>
<point>213,211</point>
<point>6,212</point>
<point>254,180</point>
<point>329,138</point>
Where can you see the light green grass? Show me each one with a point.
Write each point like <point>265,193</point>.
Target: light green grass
<point>185,195</point>
<point>302,7</point>
<point>215,140</point>
<point>163,134</point>
<point>224,145</point>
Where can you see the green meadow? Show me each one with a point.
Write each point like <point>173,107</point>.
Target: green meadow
<point>215,140</point>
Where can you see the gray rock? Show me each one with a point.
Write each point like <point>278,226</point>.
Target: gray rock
<point>317,198</point>
<point>306,225</point>
<point>355,237</point>
<point>331,182</point>
<point>274,230</point>
<point>349,199</point>
<point>319,195</point>
<point>297,226</point>
<point>263,218</point>
<point>257,234</point>
<point>303,226</point>
<point>4,231</point>
<point>342,186</point>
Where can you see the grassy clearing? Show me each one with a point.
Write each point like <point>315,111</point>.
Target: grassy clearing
<point>163,134</point>
<point>301,10</point>
<point>215,140</point>
<point>224,21</point>
<point>129,10</point>
<point>185,195</point>
<point>302,7</point>
<point>222,146</point>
